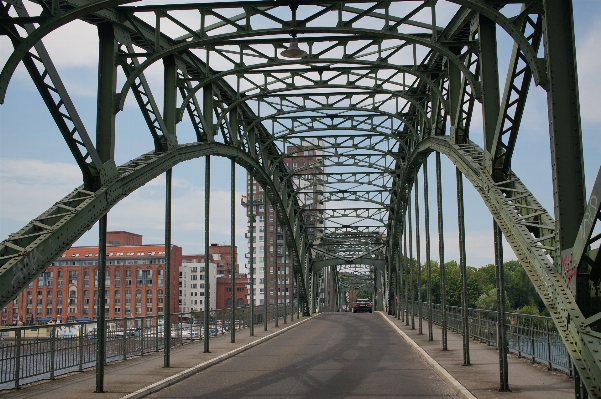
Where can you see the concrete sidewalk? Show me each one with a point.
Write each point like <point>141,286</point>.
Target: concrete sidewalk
<point>526,380</point>
<point>125,377</point>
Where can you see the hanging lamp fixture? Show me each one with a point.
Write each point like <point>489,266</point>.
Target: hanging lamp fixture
<point>293,51</point>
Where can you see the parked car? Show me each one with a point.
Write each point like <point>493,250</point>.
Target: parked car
<point>362,305</point>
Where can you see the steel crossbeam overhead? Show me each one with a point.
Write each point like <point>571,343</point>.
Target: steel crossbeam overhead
<point>334,137</point>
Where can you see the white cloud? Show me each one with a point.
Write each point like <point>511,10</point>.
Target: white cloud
<point>28,187</point>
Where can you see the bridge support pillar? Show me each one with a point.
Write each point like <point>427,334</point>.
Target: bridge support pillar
<point>251,216</point>
<point>265,260</point>
<point>101,324</point>
<point>167,299</point>
<point>411,265</point>
<point>233,246</point>
<point>428,266</point>
<point>207,297</point>
<point>420,304</point>
<point>463,268</point>
<point>443,288</point>
<point>501,322</point>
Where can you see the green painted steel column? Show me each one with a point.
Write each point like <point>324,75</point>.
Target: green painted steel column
<point>428,265</point>
<point>463,268</point>
<point>407,268</point>
<point>265,263</point>
<point>418,245</point>
<point>285,276</point>
<point>107,86</point>
<point>105,145</point>
<point>169,116</point>
<point>207,273</point>
<point>443,288</point>
<point>167,298</point>
<point>101,324</point>
<point>276,271</point>
<point>564,124</point>
<point>411,268</point>
<point>501,321</point>
<point>251,215</point>
<point>489,76</point>
<point>234,255</point>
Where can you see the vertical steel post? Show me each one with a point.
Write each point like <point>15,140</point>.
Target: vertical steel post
<point>443,288</point>
<point>564,121</point>
<point>418,259</point>
<point>411,281</point>
<point>53,349</point>
<point>251,215</point>
<point>17,376</point>
<point>265,260</point>
<point>107,86</point>
<point>463,268</point>
<point>285,276</point>
<point>549,365</point>
<point>428,266</point>
<point>167,308</point>
<point>406,266</point>
<point>169,112</point>
<point>233,247</point>
<point>105,144</point>
<point>501,320</point>
<point>207,273</point>
<point>101,325</point>
<point>277,272</point>
<point>489,76</point>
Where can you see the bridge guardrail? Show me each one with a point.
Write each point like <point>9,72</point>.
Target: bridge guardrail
<point>32,353</point>
<point>529,336</point>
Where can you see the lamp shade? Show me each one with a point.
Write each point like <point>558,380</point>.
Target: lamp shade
<point>293,51</point>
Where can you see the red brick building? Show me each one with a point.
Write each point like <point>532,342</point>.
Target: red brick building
<point>67,290</point>
<point>224,292</point>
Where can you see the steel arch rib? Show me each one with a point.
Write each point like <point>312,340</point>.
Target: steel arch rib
<point>354,34</point>
<point>46,237</point>
<point>531,250</point>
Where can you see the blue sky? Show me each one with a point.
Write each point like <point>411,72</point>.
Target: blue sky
<point>37,169</point>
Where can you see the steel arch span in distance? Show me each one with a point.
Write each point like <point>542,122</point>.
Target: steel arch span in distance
<point>377,88</point>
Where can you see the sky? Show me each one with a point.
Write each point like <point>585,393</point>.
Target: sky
<point>37,169</point>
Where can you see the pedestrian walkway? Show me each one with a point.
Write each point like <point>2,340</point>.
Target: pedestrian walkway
<point>481,378</point>
<point>126,377</point>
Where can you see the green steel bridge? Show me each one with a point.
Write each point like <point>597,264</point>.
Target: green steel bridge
<point>373,90</point>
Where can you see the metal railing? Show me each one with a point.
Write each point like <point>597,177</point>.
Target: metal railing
<point>529,336</point>
<point>37,352</point>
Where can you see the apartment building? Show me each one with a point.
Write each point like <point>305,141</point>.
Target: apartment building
<point>305,163</point>
<point>68,289</point>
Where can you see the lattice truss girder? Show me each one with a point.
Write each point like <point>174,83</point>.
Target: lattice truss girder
<point>381,83</point>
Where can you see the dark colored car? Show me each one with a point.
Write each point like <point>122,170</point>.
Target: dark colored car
<point>362,305</point>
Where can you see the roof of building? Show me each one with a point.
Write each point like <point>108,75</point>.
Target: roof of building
<point>125,251</point>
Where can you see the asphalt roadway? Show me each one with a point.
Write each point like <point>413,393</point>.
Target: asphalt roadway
<point>335,355</point>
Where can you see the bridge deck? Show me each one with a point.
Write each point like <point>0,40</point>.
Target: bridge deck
<point>333,355</point>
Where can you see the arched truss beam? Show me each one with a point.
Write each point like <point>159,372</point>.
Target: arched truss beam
<point>373,66</point>
<point>310,128</point>
<point>50,24</point>
<point>55,21</point>
<point>30,251</point>
<point>352,34</point>
<point>537,65</point>
<point>288,92</point>
<point>377,263</point>
<point>530,231</point>
<point>367,142</point>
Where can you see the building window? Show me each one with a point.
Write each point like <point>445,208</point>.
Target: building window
<point>143,277</point>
